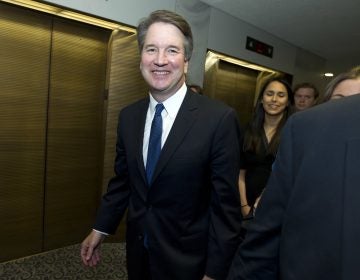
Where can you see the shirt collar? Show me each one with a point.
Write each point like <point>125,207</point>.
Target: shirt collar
<point>172,104</point>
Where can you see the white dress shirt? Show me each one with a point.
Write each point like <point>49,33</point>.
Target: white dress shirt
<point>172,106</point>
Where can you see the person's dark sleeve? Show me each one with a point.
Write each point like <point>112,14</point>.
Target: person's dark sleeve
<point>225,212</point>
<point>258,256</point>
<point>115,201</point>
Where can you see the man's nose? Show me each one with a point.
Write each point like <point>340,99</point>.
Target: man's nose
<point>161,57</point>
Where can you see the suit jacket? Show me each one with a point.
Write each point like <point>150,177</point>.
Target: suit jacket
<point>307,224</point>
<point>191,211</point>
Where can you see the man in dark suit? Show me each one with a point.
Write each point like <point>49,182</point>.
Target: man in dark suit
<point>183,219</point>
<point>307,224</point>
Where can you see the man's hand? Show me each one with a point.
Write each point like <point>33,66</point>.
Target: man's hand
<point>90,248</point>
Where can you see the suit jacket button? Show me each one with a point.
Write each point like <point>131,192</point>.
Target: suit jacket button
<point>140,237</point>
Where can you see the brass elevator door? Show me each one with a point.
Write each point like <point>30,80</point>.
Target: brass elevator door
<point>25,41</point>
<point>234,85</point>
<point>74,157</point>
<point>52,79</point>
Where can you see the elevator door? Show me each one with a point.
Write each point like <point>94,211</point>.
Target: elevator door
<point>25,40</point>
<point>52,79</point>
<point>74,157</point>
<point>234,85</point>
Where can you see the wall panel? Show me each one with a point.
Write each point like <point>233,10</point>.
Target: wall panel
<point>126,86</point>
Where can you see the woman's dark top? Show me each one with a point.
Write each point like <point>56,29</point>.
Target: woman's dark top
<point>258,169</point>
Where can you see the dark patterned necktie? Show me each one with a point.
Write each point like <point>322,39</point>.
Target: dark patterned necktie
<point>154,148</point>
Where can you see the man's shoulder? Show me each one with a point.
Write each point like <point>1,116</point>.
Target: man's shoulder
<point>211,104</point>
<point>334,119</point>
<point>341,108</point>
<point>137,105</point>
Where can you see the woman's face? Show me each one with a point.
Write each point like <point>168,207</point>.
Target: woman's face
<point>346,88</point>
<point>275,99</point>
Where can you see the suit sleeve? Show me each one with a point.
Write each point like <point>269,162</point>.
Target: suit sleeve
<point>115,201</point>
<point>258,255</point>
<point>225,215</point>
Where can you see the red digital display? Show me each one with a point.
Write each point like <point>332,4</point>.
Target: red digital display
<point>259,47</point>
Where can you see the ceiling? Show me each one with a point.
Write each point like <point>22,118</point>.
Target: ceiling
<point>327,28</point>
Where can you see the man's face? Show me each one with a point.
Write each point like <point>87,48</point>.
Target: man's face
<point>304,98</point>
<point>163,64</point>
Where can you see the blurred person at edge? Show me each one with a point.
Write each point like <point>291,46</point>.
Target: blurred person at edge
<point>307,223</point>
<point>344,84</point>
<point>183,222</point>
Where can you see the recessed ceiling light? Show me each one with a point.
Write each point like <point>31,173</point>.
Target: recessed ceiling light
<point>329,75</point>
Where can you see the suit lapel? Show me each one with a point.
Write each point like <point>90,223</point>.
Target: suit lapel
<point>139,122</point>
<point>183,122</point>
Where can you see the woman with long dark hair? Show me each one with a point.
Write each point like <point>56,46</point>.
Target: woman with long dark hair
<point>261,140</point>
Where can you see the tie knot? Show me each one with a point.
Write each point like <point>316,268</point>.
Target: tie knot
<point>158,109</point>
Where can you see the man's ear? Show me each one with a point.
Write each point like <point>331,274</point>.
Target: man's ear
<point>186,66</point>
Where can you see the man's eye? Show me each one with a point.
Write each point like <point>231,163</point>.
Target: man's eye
<point>150,50</point>
<point>172,51</point>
